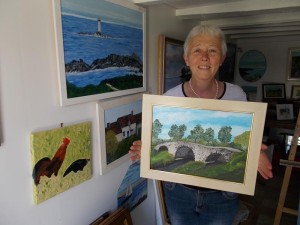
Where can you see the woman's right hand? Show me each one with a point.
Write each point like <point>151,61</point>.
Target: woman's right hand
<point>135,150</point>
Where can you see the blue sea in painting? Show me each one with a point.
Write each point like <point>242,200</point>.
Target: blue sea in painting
<point>133,189</point>
<point>80,43</point>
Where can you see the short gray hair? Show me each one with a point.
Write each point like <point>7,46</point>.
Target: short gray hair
<point>206,29</point>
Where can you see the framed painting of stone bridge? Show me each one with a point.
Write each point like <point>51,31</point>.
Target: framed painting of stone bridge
<point>202,142</point>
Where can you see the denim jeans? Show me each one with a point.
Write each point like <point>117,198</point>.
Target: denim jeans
<point>188,206</point>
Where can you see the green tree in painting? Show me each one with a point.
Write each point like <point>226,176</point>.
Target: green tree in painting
<point>156,130</point>
<point>209,136</point>
<point>224,134</point>
<point>243,140</point>
<point>196,133</point>
<point>177,132</point>
<point>111,143</point>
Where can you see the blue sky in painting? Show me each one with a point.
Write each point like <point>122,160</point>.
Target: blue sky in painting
<point>109,12</point>
<point>240,122</point>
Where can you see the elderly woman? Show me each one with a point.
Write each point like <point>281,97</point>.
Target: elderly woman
<point>204,52</point>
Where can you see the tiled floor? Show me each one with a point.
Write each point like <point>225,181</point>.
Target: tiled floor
<point>264,203</point>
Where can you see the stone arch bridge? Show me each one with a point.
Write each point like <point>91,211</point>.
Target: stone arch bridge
<point>197,152</point>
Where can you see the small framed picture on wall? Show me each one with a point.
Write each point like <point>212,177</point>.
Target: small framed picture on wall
<point>293,68</point>
<point>273,91</point>
<point>285,111</point>
<point>295,95</point>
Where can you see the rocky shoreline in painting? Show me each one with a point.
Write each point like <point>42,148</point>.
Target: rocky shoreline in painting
<point>111,60</point>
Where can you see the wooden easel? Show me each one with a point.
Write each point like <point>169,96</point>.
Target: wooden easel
<point>290,163</point>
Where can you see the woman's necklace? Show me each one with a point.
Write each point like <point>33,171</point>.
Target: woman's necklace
<point>217,91</point>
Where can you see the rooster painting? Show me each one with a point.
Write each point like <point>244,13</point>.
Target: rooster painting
<point>60,159</point>
<point>47,167</point>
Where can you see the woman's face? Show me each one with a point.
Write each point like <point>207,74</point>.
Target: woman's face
<point>204,56</point>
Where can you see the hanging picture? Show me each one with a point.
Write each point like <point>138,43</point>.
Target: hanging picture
<point>100,49</point>
<point>251,92</point>
<point>252,65</point>
<point>273,91</point>
<point>293,64</point>
<point>171,66</point>
<point>133,189</point>
<point>202,142</point>
<point>295,93</point>
<point>119,124</point>
<point>285,111</point>
<point>60,159</point>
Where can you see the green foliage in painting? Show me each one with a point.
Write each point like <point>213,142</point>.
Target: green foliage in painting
<point>233,171</point>
<point>243,140</point>
<point>177,132</point>
<point>120,83</point>
<point>224,134</point>
<point>161,158</point>
<point>46,144</point>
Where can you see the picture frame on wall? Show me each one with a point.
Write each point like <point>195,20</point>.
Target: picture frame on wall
<point>293,64</point>
<point>119,124</point>
<point>284,111</point>
<point>273,91</point>
<point>252,65</point>
<point>54,169</point>
<point>171,66</point>
<point>180,137</point>
<point>295,94</point>
<point>91,65</point>
<point>251,92</point>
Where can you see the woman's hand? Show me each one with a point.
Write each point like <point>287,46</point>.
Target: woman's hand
<point>135,150</point>
<point>264,164</point>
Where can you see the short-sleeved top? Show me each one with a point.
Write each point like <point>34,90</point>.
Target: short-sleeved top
<point>231,92</point>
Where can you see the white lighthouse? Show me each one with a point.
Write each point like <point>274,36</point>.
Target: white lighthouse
<point>99,25</point>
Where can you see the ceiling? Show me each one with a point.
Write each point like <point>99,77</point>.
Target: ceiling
<point>240,18</point>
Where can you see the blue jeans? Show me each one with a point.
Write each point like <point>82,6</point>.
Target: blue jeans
<point>187,206</point>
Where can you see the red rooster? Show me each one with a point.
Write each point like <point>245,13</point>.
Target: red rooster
<point>47,167</point>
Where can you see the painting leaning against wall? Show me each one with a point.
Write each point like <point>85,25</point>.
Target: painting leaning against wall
<point>60,159</point>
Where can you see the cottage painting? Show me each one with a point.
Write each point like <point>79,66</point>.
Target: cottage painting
<point>206,143</point>
<point>103,49</point>
<point>123,126</point>
<point>60,159</point>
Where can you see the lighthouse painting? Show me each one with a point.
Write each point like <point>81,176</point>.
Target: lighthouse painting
<point>100,49</point>
<point>99,25</point>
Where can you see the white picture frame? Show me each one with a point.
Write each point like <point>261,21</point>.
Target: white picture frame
<point>109,113</point>
<point>285,111</point>
<point>249,115</point>
<point>88,73</point>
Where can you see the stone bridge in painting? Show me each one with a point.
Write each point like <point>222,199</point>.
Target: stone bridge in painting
<point>197,152</point>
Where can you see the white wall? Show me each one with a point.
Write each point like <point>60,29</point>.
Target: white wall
<point>276,52</point>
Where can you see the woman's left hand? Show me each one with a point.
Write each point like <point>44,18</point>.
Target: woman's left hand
<point>264,164</point>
